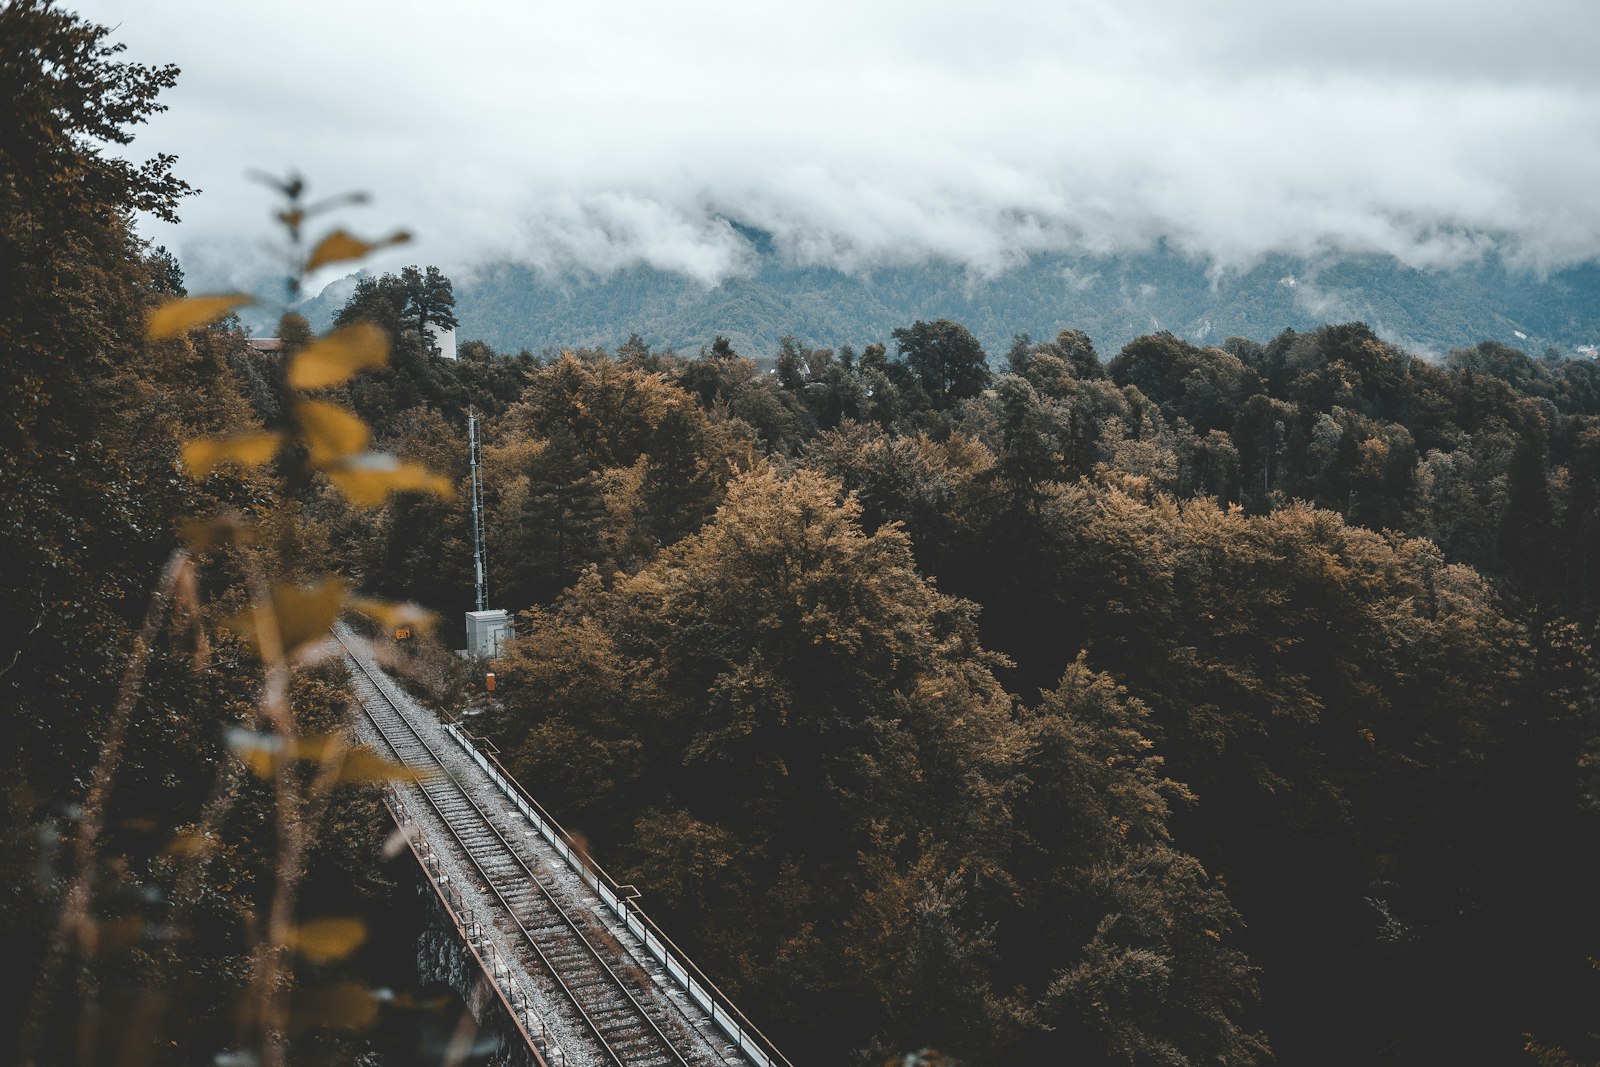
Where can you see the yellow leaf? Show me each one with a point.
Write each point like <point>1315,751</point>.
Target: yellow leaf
<point>203,454</point>
<point>340,245</point>
<point>330,360</point>
<point>202,536</point>
<point>347,1006</point>
<point>259,752</point>
<point>393,615</point>
<point>178,316</point>
<point>303,614</point>
<point>331,432</point>
<point>306,612</point>
<point>362,765</point>
<point>318,746</point>
<point>368,479</point>
<point>186,844</point>
<point>326,940</point>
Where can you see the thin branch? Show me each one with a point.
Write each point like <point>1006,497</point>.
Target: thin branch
<point>77,923</point>
<point>44,612</point>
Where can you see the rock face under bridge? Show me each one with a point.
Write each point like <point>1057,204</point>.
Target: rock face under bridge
<point>445,956</point>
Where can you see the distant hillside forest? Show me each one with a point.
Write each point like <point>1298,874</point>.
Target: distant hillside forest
<point>1113,298</point>
<point>1146,704</point>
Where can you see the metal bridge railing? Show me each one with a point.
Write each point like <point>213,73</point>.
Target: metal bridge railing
<point>621,900</point>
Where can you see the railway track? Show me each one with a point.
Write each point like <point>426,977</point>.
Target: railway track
<point>619,1018</point>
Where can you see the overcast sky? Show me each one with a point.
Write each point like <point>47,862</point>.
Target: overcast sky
<point>588,136</point>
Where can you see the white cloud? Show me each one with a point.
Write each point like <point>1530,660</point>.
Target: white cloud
<point>602,135</point>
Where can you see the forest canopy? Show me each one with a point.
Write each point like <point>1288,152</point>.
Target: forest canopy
<point>1314,610</point>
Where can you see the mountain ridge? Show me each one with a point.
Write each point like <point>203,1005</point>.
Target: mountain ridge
<point>1111,298</point>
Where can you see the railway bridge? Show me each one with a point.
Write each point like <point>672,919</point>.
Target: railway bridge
<point>575,972</point>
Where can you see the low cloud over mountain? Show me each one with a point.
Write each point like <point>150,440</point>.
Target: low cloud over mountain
<point>585,140</point>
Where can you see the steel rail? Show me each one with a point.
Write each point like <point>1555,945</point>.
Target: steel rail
<point>607,1042</point>
<point>488,881</point>
<point>394,806</point>
<point>623,901</point>
<point>586,948</point>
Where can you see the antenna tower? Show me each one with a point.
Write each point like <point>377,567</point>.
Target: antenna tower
<point>477,509</point>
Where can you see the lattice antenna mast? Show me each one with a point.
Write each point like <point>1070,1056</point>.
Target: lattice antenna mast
<point>477,510</point>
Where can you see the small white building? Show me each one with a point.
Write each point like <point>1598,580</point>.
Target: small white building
<point>486,632</point>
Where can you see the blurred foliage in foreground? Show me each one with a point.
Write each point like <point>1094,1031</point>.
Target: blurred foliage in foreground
<point>184,818</point>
